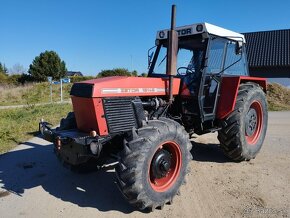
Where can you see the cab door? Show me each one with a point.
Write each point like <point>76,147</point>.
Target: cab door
<point>211,79</point>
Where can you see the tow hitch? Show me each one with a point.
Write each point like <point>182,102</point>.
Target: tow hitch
<point>73,146</point>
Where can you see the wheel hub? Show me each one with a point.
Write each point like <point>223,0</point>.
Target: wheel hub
<point>161,163</point>
<point>251,123</point>
<point>165,166</point>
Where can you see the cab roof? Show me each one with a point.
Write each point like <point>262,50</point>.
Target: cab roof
<point>199,28</point>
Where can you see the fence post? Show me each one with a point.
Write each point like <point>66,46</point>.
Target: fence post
<point>49,79</point>
<point>61,90</point>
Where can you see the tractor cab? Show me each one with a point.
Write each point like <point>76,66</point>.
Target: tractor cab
<point>206,53</point>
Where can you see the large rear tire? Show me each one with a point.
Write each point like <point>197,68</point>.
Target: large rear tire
<point>153,164</point>
<point>243,131</point>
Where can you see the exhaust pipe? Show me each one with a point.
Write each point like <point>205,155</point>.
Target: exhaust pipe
<point>172,53</point>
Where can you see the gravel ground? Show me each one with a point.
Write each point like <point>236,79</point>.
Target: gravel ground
<point>34,184</point>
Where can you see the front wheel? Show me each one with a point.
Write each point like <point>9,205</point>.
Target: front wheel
<point>153,164</point>
<point>244,130</point>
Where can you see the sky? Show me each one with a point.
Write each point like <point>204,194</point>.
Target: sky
<point>93,35</point>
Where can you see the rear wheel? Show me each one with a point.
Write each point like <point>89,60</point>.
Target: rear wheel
<point>153,164</point>
<point>244,130</point>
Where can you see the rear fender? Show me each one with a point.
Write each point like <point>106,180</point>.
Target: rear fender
<point>229,91</point>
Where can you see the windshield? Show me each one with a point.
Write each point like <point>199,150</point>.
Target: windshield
<point>189,58</point>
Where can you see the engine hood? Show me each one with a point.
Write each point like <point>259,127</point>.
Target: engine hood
<point>124,86</point>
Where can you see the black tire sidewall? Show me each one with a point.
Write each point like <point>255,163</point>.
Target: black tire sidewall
<point>151,193</point>
<point>250,150</point>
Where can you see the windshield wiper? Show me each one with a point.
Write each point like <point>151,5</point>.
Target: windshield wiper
<point>162,60</point>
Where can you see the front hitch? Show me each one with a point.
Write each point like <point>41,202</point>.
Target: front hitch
<point>71,145</point>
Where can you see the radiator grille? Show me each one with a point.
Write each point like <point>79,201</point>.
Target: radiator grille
<point>119,114</point>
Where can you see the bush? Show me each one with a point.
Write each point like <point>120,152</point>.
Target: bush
<point>117,72</point>
<point>3,78</point>
<point>143,75</point>
<point>14,79</point>
<point>74,79</point>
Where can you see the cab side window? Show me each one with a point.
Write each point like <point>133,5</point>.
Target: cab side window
<point>216,55</point>
<point>235,64</point>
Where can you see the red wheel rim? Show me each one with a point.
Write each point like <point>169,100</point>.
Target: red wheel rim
<point>166,182</point>
<point>254,123</point>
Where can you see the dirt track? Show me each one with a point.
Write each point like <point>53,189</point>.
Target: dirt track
<point>34,184</point>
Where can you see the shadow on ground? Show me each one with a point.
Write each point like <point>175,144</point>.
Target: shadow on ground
<point>37,166</point>
<point>208,153</point>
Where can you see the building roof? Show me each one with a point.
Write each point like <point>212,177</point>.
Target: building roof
<point>199,28</point>
<point>268,48</point>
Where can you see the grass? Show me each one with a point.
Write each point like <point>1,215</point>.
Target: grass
<point>32,93</point>
<point>19,125</point>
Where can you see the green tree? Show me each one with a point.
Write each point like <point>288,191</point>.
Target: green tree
<point>3,69</point>
<point>47,64</point>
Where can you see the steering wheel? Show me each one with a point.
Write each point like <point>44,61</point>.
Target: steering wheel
<point>188,71</point>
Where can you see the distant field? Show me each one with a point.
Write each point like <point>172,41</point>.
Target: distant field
<point>278,96</point>
<point>32,93</point>
<point>18,125</point>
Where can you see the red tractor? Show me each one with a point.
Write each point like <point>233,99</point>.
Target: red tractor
<point>198,82</point>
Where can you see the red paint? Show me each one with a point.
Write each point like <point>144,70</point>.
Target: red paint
<point>89,112</point>
<point>130,86</point>
<point>252,139</point>
<point>100,114</point>
<point>229,92</point>
<point>185,92</point>
<point>165,183</point>
<point>89,115</point>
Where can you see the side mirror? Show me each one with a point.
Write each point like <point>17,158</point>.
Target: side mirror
<point>150,56</point>
<point>239,47</point>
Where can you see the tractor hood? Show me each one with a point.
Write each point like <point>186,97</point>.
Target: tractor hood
<point>124,86</point>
